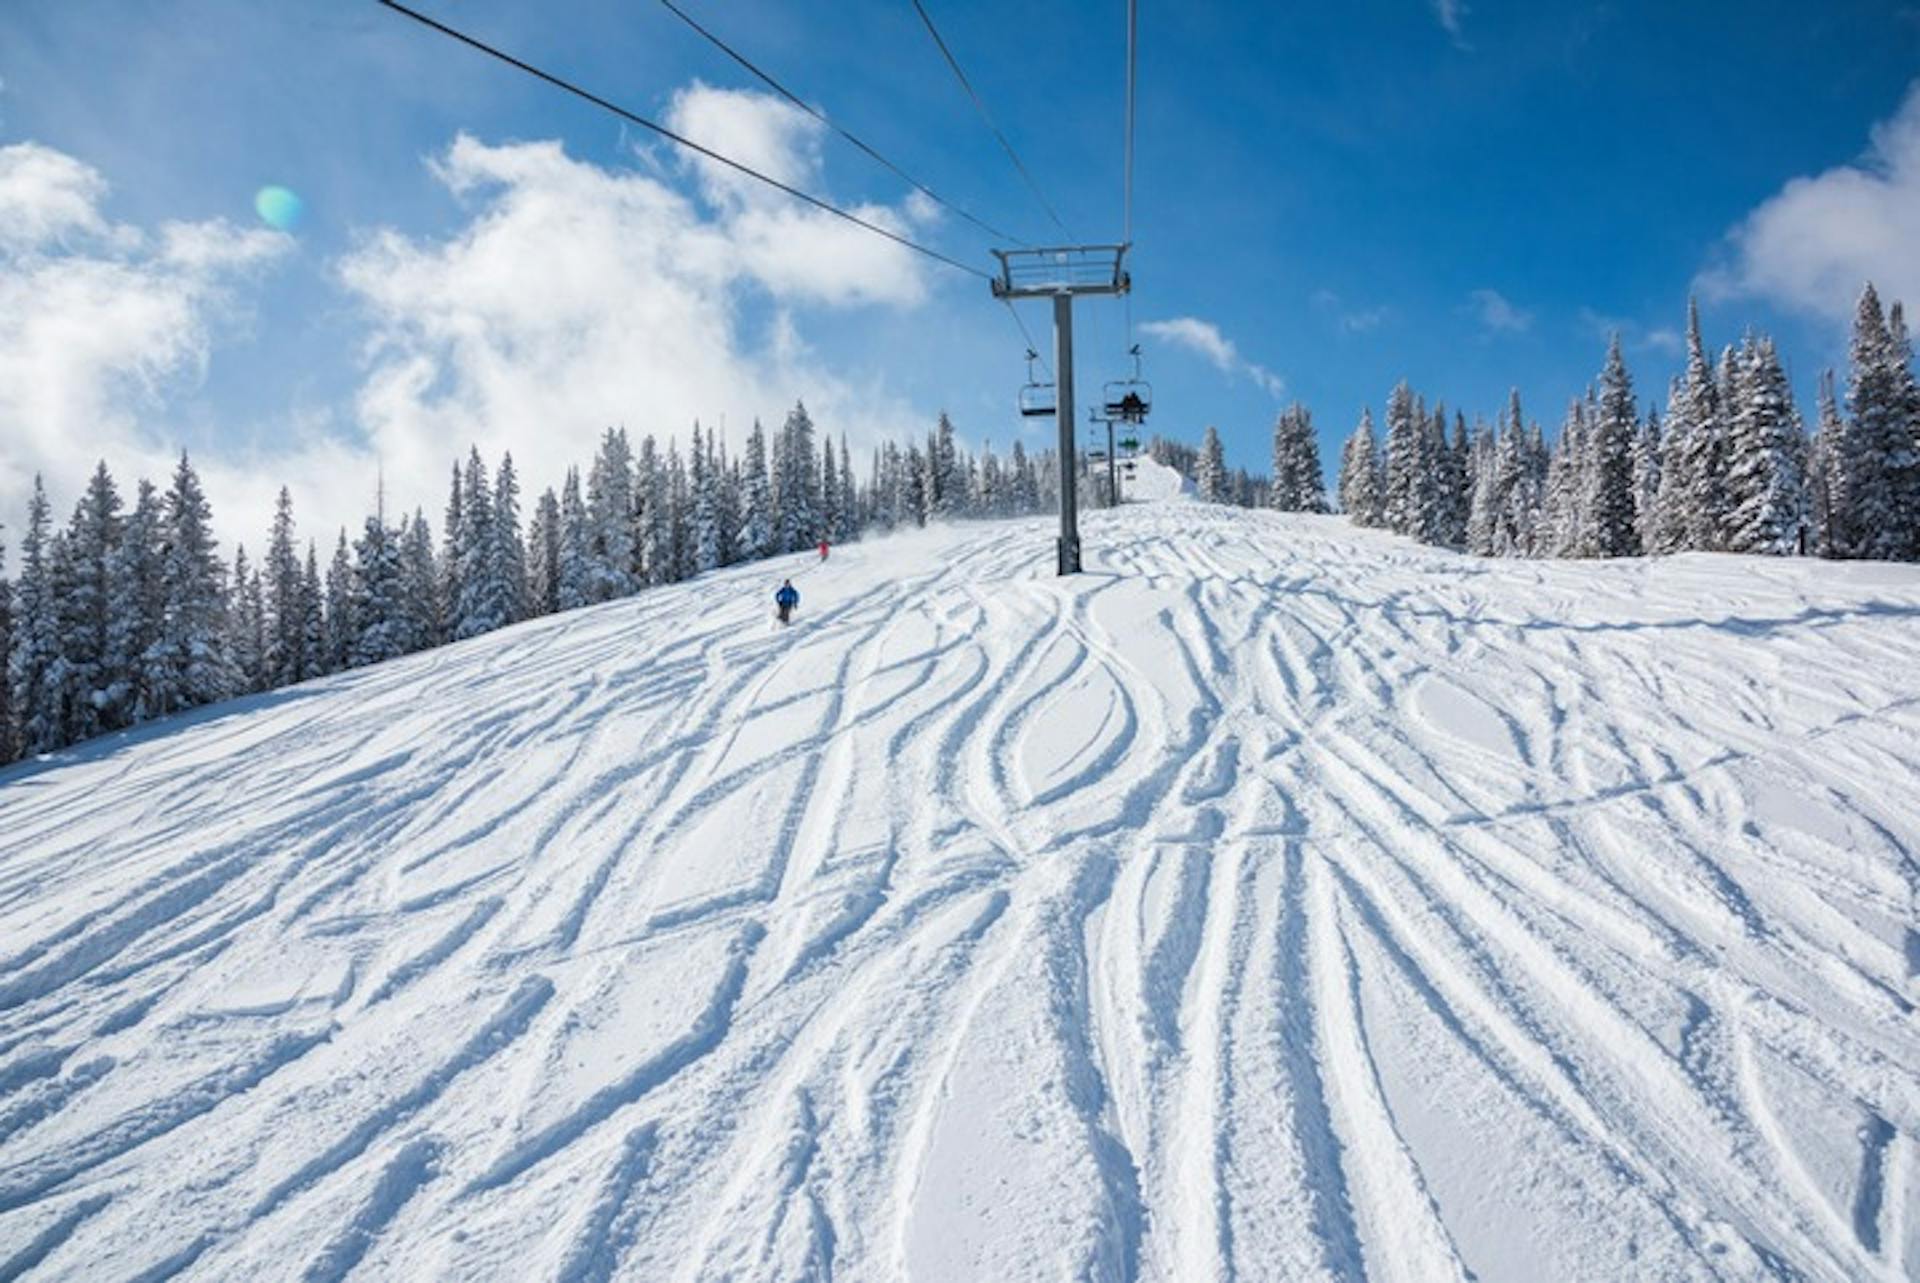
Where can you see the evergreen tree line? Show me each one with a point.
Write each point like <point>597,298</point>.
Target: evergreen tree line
<point>1730,467</point>
<point>130,613</point>
<point>1295,485</point>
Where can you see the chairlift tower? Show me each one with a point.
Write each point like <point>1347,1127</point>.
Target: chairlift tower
<point>1060,273</point>
<point>1113,474</point>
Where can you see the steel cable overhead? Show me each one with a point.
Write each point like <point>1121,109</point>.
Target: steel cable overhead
<point>803,105</point>
<point>1126,221</point>
<point>1126,182</point>
<point>1028,336</point>
<point>671,136</point>
<point>987,117</point>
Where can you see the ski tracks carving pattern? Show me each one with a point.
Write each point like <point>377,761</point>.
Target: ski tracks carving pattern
<point>1273,901</point>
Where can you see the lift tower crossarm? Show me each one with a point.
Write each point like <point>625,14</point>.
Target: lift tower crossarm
<point>1060,272</point>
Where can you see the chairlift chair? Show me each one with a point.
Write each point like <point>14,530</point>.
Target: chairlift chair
<point>1129,400</point>
<point>1036,399</point>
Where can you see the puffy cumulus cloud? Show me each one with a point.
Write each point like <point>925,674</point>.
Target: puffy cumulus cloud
<point>1204,339</point>
<point>98,321</point>
<point>46,195</point>
<point>797,251</point>
<point>1814,243</point>
<point>578,297</point>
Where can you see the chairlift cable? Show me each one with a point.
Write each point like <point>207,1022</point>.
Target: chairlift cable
<point>671,136</point>
<point>1028,336</point>
<point>807,107</point>
<point>987,117</point>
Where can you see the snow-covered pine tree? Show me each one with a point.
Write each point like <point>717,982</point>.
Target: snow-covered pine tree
<point>1508,498</point>
<point>797,482</point>
<point>1210,471</point>
<point>33,662</point>
<point>1821,465</point>
<point>342,628</point>
<point>1361,475</point>
<point>610,508</point>
<point>1297,484</point>
<point>1566,487</point>
<point>1456,481</point>
<point>139,603</point>
<point>543,556</point>
<point>1026,482</point>
<point>313,617</point>
<point>450,565</point>
<point>1646,481</point>
<point>1906,400</point>
<point>421,612</point>
<point>1693,506</point>
<point>1766,485</point>
<point>246,626</point>
<point>829,492</point>
<point>1610,528</point>
<point>1406,503</point>
<point>726,494</point>
<point>484,603</point>
<point>94,693</point>
<point>379,589</point>
<point>187,665</point>
<point>1672,525</point>
<point>679,505</point>
<point>1483,493</point>
<point>948,489</point>
<point>850,522</point>
<point>510,548</point>
<point>1280,470</point>
<point>757,526</point>
<point>930,479</point>
<point>576,546</point>
<point>7,737</point>
<point>915,501</point>
<point>652,515</point>
<point>285,661</point>
<point>652,499</point>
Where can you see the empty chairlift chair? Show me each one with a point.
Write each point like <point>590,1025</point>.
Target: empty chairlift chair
<point>1036,399</point>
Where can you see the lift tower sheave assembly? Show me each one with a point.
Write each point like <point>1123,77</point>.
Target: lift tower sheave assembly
<point>1060,273</point>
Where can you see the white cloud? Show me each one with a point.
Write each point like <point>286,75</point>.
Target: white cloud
<point>1497,314</point>
<point>568,298</point>
<point>45,196</point>
<point>579,297</point>
<point>797,251</point>
<point>1205,339</point>
<point>1812,245</point>
<point>98,321</point>
<point>1452,14</point>
<point>1353,320</point>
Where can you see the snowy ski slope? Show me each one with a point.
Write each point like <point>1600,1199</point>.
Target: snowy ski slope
<point>1273,901</point>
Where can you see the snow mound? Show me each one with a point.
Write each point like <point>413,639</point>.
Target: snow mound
<point>1273,900</point>
<point>1152,480</point>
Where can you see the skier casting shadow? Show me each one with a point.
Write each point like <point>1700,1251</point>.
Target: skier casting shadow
<point>785,600</point>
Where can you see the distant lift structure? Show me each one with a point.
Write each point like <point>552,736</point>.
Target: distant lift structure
<point>1062,273</point>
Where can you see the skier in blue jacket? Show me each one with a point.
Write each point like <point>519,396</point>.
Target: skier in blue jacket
<point>785,600</point>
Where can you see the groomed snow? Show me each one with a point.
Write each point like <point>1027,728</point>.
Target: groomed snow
<point>1272,901</point>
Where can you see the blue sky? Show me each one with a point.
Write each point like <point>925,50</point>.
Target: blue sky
<point>1466,195</point>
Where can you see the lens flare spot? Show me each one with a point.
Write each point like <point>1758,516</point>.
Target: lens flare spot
<point>278,207</point>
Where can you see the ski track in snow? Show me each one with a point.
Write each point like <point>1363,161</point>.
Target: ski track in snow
<point>1273,900</point>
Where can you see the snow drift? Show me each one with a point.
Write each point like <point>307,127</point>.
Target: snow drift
<point>1274,900</point>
